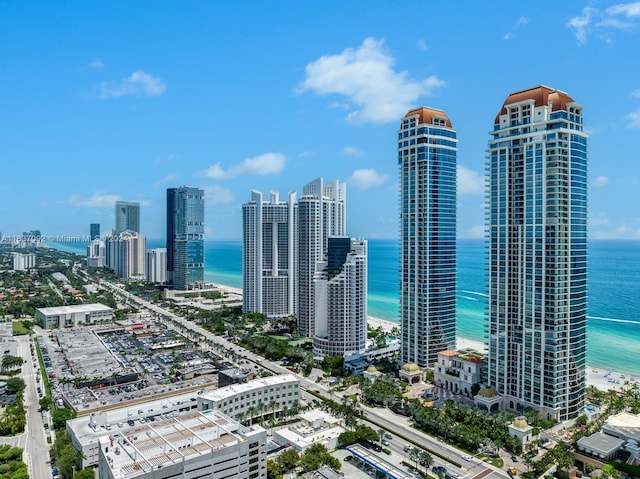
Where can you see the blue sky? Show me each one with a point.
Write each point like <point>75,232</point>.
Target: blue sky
<point>101,101</point>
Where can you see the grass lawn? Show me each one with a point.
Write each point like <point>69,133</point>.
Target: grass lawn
<point>19,329</point>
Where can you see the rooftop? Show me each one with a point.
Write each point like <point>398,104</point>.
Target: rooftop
<point>74,308</point>
<point>233,389</point>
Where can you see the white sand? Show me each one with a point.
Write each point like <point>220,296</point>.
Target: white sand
<point>595,377</point>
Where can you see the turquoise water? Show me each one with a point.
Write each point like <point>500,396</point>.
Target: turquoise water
<point>613,331</point>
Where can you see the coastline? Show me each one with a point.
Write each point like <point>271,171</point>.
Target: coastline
<point>594,377</point>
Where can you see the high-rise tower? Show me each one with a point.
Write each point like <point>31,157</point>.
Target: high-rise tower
<point>321,214</point>
<point>94,229</point>
<point>427,148</point>
<point>537,168</point>
<point>127,216</point>
<point>341,299</point>
<point>185,237</point>
<point>269,255</point>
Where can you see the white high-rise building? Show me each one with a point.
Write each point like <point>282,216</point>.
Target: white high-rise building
<point>341,299</point>
<point>23,262</point>
<point>427,149</point>
<point>321,215</point>
<point>537,225</point>
<point>96,253</point>
<point>269,255</point>
<point>126,255</point>
<point>157,265</point>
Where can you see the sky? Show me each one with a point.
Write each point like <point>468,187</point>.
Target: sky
<point>102,101</point>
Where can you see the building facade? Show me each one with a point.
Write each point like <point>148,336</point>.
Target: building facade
<point>459,371</point>
<point>94,231</point>
<point>23,261</point>
<point>126,254</point>
<point>321,215</point>
<point>427,150</point>
<point>73,315</point>
<point>157,265</point>
<point>341,299</point>
<point>185,237</point>
<point>194,445</point>
<point>537,225</point>
<point>127,216</point>
<point>96,253</point>
<point>269,255</point>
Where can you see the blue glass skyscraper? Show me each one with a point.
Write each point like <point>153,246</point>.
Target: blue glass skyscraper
<point>537,226</point>
<point>185,237</point>
<point>427,149</point>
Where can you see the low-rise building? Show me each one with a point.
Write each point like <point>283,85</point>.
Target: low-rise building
<point>194,445</point>
<point>85,431</point>
<point>74,315</point>
<point>458,371</point>
<point>255,398</point>
<point>316,427</point>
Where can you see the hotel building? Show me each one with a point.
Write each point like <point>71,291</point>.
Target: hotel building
<point>269,255</point>
<point>185,237</point>
<point>341,299</point>
<point>537,225</point>
<point>427,149</point>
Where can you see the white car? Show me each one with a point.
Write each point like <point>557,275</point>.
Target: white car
<point>466,458</point>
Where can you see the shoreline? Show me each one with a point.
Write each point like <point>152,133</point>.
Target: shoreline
<point>598,378</point>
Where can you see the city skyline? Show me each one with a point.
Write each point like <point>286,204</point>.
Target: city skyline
<point>144,115</point>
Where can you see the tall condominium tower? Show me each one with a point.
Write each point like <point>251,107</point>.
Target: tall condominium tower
<point>185,237</point>
<point>126,254</point>
<point>537,201</point>
<point>341,299</point>
<point>269,255</point>
<point>157,265</point>
<point>127,216</point>
<point>427,147</point>
<point>321,214</point>
<point>94,229</point>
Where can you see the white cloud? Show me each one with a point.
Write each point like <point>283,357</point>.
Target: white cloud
<point>636,93</point>
<point>267,164</point>
<point>366,178</point>
<point>521,21</point>
<point>365,76</point>
<point>351,151</point>
<point>138,83</point>
<point>634,119</point>
<point>469,182</point>
<point>626,9</point>
<point>217,195</point>
<point>165,181</point>
<point>622,16</point>
<point>580,23</point>
<point>600,181</point>
<point>97,64</point>
<point>99,199</point>
<point>422,45</point>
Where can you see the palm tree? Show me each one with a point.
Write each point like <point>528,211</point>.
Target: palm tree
<point>414,455</point>
<point>380,433</point>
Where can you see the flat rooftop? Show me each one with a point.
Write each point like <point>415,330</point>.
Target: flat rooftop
<point>233,389</point>
<point>171,441</point>
<point>74,308</point>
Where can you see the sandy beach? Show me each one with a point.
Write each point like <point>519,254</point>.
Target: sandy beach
<point>601,379</point>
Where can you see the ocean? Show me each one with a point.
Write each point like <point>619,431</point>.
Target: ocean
<point>613,327</point>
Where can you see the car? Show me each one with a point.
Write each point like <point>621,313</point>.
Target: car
<point>439,469</point>
<point>466,458</point>
<point>386,443</point>
<point>348,458</point>
<point>514,458</point>
<point>131,423</point>
<point>388,436</point>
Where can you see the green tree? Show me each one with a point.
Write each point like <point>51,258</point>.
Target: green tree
<point>60,416</point>
<point>86,473</point>
<point>15,385</point>
<point>288,460</point>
